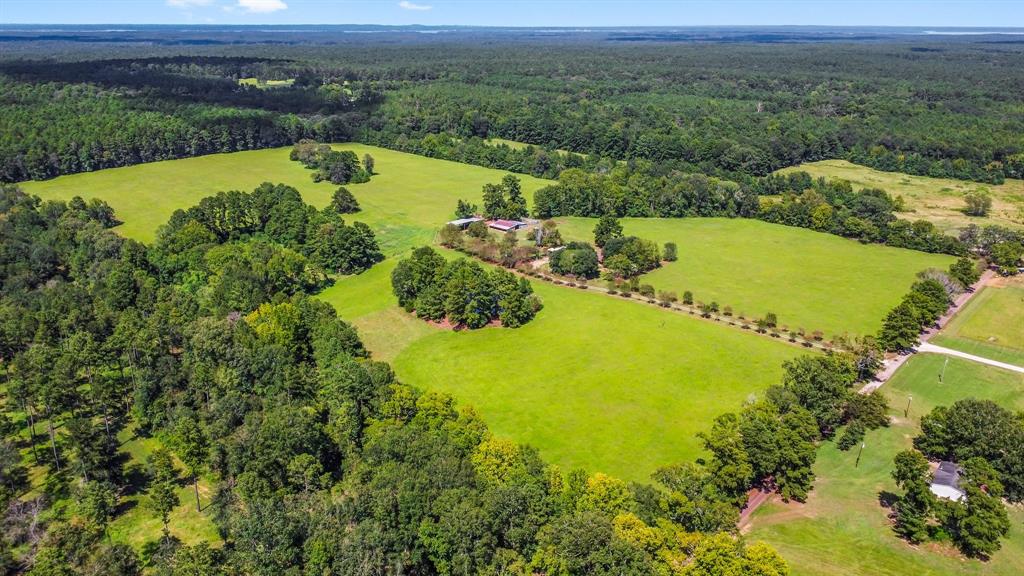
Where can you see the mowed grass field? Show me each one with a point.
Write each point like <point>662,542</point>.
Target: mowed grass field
<point>990,325</point>
<point>938,200</point>
<point>409,199</point>
<point>842,530</point>
<point>593,381</point>
<point>811,280</point>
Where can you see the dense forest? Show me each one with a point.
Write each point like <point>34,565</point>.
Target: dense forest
<point>731,110</point>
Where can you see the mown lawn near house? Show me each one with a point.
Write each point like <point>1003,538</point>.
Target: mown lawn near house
<point>810,280</point>
<point>991,324</point>
<point>843,530</point>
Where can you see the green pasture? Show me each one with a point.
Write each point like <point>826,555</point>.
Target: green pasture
<point>406,202</point>
<point>811,280</point>
<point>938,200</point>
<point>597,382</point>
<point>266,83</point>
<point>990,325</point>
<point>843,530</point>
<point>594,381</point>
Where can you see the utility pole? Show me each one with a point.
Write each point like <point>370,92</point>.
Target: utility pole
<point>906,411</point>
<point>861,451</point>
<point>943,373</point>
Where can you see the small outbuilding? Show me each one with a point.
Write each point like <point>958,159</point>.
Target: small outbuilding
<point>463,223</point>
<point>946,482</point>
<point>506,225</point>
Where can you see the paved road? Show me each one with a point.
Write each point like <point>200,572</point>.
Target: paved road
<point>929,347</point>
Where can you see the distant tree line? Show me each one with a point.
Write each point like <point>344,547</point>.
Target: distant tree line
<point>712,109</point>
<point>61,118</point>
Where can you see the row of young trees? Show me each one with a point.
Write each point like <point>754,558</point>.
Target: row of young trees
<point>320,461</point>
<point>462,291</point>
<point>987,442</point>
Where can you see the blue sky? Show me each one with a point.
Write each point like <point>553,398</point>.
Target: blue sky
<point>520,13</point>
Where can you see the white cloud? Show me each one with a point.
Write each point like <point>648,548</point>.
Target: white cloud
<point>405,4</point>
<point>188,3</point>
<point>262,6</point>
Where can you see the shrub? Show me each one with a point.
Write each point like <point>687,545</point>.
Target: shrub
<point>670,252</point>
<point>688,298</point>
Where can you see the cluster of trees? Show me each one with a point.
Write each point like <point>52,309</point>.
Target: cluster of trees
<point>505,200</point>
<point>577,259</point>
<point>867,215</point>
<point>926,302</point>
<point>987,441</point>
<point>978,428</point>
<point>1000,246</point>
<point>462,291</point>
<point>772,443</point>
<point>274,212</point>
<point>335,166</point>
<point>320,461</point>
<point>625,256</point>
<point>629,256</point>
<point>66,117</point>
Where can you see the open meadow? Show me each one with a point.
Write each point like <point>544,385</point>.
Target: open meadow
<point>843,530</point>
<point>938,200</point>
<point>405,203</point>
<point>811,280</point>
<point>662,377</point>
<point>990,325</point>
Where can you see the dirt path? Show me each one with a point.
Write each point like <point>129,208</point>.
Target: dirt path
<point>755,497</point>
<point>891,365</point>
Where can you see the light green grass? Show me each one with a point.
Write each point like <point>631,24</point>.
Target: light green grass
<point>809,279</point>
<point>938,200</point>
<point>266,83</point>
<point>406,202</point>
<point>990,325</point>
<point>137,524</point>
<point>599,383</point>
<point>593,381</point>
<point>844,531</point>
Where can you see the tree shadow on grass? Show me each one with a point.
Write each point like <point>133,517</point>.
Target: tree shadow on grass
<point>888,499</point>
